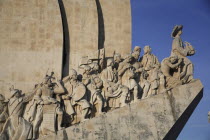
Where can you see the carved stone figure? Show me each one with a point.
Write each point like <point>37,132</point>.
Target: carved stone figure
<point>135,60</point>
<point>138,68</point>
<point>162,82</point>
<point>117,60</point>
<point>115,93</point>
<point>34,115</point>
<point>95,89</point>
<point>168,66</point>
<point>149,60</point>
<point>44,111</point>
<point>3,112</point>
<point>182,51</point>
<point>94,68</point>
<point>145,84</point>
<point>151,65</point>
<point>86,77</point>
<point>154,80</point>
<point>137,49</point>
<point>75,95</point>
<point>126,76</point>
<point>16,127</point>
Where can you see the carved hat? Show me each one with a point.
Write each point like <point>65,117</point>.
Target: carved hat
<point>13,92</point>
<point>176,29</point>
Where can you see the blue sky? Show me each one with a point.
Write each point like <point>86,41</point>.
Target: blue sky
<point>152,23</point>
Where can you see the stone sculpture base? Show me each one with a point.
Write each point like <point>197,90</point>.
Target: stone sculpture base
<point>159,117</point>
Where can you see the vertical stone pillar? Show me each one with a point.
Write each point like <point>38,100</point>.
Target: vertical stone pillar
<point>31,41</point>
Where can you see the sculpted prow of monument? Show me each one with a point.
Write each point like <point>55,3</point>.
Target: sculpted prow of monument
<point>108,87</point>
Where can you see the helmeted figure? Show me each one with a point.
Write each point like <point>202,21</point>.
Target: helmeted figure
<point>182,51</point>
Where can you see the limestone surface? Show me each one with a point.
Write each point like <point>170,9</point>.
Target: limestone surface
<point>159,117</point>
<point>31,39</point>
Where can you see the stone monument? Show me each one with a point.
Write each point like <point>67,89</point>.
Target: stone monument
<point>98,88</point>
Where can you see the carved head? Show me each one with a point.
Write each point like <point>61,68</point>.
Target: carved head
<point>128,58</point>
<point>137,49</point>
<point>87,69</point>
<point>136,55</point>
<point>47,80</point>
<point>177,30</point>
<point>73,74</point>
<point>130,74</point>
<point>117,58</point>
<point>173,59</point>
<point>147,49</point>
<point>110,62</point>
<point>145,75</point>
<point>97,82</point>
<point>94,66</point>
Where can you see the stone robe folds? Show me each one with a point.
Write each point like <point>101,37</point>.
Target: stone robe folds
<point>77,93</point>
<point>112,91</point>
<point>3,115</point>
<point>16,128</point>
<point>149,61</point>
<point>179,50</point>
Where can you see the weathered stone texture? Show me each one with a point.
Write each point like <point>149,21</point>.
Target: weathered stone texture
<point>31,40</point>
<point>84,24</point>
<point>117,26</point>
<point>83,28</point>
<point>148,119</point>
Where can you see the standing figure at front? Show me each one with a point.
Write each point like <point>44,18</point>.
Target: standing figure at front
<point>185,71</point>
